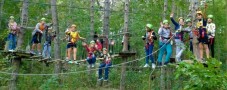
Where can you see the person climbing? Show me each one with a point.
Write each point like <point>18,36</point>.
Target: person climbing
<point>72,43</point>
<point>149,44</point>
<point>188,29</point>
<point>37,36</point>
<point>164,42</point>
<point>105,63</point>
<point>180,47</point>
<point>49,36</point>
<point>91,49</point>
<point>211,33</point>
<point>203,36</point>
<point>13,28</point>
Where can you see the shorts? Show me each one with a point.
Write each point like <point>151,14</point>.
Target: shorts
<point>71,45</point>
<point>36,39</point>
<point>203,40</point>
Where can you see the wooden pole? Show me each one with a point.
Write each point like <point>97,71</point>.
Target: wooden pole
<point>125,45</point>
<point>106,22</point>
<point>195,43</point>
<point>15,69</point>
<point>92,18</point>
<point>24,19</point>
<point>57,52</point>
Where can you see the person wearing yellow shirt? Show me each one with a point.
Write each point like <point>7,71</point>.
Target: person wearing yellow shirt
<point>72,43</point>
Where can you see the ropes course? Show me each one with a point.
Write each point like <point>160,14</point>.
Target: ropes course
<point>70,41</point>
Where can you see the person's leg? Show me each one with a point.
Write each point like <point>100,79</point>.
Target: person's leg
<point>45,51</point>
<point>69,50</point>
<point>74,53</point>
<point>147,53</point>
<point>191,47</point>
<point>177,51</point>
<point>107,66</point>
<point>182,48</point>
<point>169,52</point>
<point>201,50</point>
<point>49,51</point>
<point>100,69</point>
<point>14,41</point>
<point>161,52</point>
<point>207,50</point>
<point>93,59</point>
<point>10,39</point>
<point>89,60</point>
<point>150,53</point>
<point>39,44</point>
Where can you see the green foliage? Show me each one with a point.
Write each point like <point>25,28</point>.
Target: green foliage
<point>199,77</point>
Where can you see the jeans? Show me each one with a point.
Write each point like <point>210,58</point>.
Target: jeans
<point>180,47</point>
<point>12,41</point>
<point>211,46</point>
<point>164,48</point>
<point>91,60</point>
<point>106,68</point>
<point>149,49</point>
<point>46,50</point>
<point>191,46</point>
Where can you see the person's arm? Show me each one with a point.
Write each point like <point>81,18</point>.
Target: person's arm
<point>213,29</point>
<point>85,46</point>
<point>154,36</point>
<point>174,22</point>
<point>160,31</point>
<point>37,28</point>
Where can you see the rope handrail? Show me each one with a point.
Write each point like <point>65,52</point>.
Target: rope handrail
<point>87,70</point>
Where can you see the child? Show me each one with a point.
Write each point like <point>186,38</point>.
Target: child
<point>72,43</point>
<point>164,42</point>
<point>37,35</point>
<point>189,30</point>
<point>180,47</point>
<point>203,36</point>
<point>149,44</point>
<point>12,35</point>
<point>91,49</point>
<point>105,63</point>
<point>211,33</point>
<point>47,45</point>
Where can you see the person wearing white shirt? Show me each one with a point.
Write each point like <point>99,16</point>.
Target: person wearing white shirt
<point>211,33</point>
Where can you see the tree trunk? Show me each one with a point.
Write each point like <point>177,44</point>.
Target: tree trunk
<point>195,43</point>
<point>1,8</point>
<point>165,9</point>
<point>15,69</point>
<point>24,19</point>
<point>125,47</point>
<point>57,49</point>
<point>106,22</point>
<point>92,19</point>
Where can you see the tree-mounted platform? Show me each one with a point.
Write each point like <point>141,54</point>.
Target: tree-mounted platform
<point>18,54</point>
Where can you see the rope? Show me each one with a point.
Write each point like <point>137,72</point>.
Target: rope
<point>86,70</point>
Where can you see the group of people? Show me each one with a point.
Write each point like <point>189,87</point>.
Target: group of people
<point>203,34</point>
<point>204,31</point>
<point>44,31</point>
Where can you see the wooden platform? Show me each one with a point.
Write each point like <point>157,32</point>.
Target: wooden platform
<point>127,54</point>
<point>19,54</point>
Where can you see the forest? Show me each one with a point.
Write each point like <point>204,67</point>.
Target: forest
<point>118,27</point>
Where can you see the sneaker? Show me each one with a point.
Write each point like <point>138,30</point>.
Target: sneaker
<point>153,65</point>
<point>40,53</point>
<point>77,63</point>
<point>146,65</point>
<point>70,61</point>
<point>88,65</point>
<point>11,50</point>
<point>106,80</point>
<point>92,65</point>
<point>32,52</point>
<point>100,79</point>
